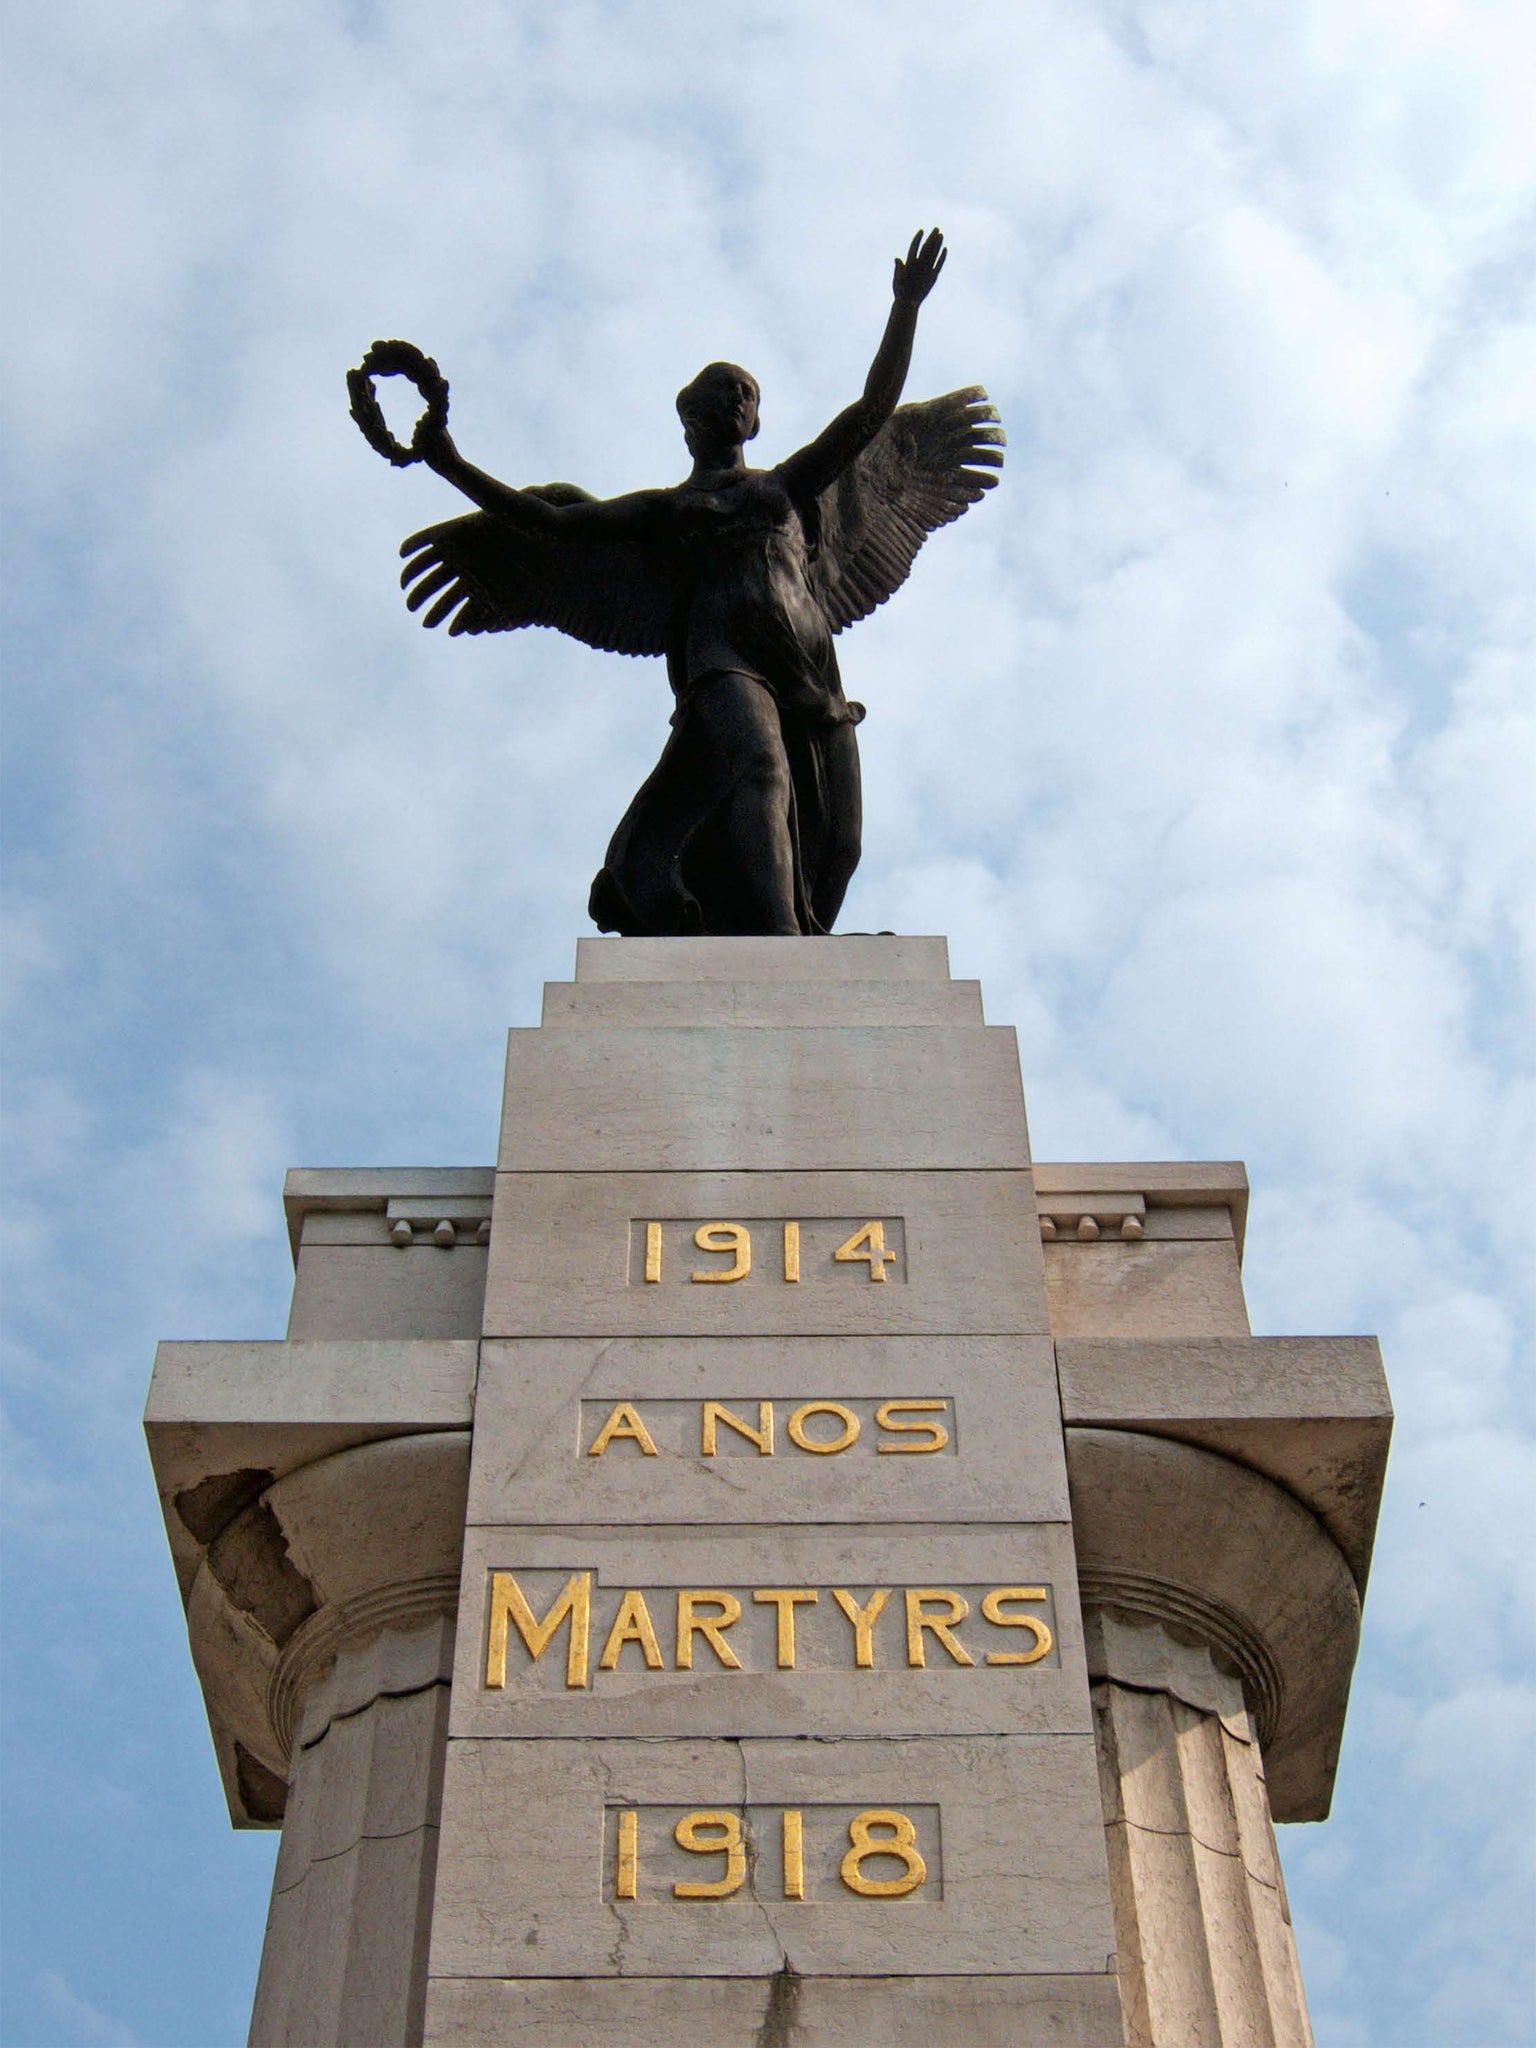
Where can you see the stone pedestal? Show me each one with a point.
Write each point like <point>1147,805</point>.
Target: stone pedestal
<point>767,1560</point>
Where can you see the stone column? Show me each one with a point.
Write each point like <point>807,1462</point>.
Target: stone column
<point>344,1960</point>
<point>322,1617</point>
<point>1220,1619</point>
<point>851,1504</point>
<point>1207,1956</point>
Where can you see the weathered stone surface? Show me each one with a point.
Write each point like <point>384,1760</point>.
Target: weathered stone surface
<point>224,1420</point>
<point>562,1256</point>
<point>1203,1544</point>
<point>825,1694</point>
<point>346,1948</point>
<point>522,1883</point>
<point>760,1003</point>
<point>377,1291</point>
<point>462,1191</point>
<point>1206,1948</point>
<point>775,2012</point>
<point>1152,1289</point>
<point>344,1546</point>
<point>711,1098</point>
<point>1312,1413</point>
<point>859,956</point>
<point>345,1956</point>
<point>543,1403</point>
<point>1163,1184</point>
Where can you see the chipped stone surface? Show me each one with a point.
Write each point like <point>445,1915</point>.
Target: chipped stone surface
<point>521,1886</point>
<point>782,2011</point>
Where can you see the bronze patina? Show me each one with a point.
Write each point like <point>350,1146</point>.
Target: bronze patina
<point>751,820</point>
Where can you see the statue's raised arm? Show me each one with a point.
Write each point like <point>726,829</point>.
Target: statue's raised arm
<point>808,473</point>
<point>750,822</point>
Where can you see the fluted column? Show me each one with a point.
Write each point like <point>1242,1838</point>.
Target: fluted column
<point>344,1958</point>
<point>1218,1614</point>
<point>1207,1956</point>
<point>322,1616</point>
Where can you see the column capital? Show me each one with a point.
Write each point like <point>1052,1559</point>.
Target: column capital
<point>1213,1551</point>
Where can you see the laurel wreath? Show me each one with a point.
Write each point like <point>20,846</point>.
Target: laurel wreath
<point>397,359</point>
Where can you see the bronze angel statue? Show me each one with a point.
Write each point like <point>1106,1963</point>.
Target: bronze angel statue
<point>750,821</point>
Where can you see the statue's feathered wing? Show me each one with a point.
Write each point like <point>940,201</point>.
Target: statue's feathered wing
<point>928,464</point>
<point>484,578</point>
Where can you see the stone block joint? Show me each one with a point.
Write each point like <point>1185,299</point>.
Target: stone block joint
<point>766,1396</point>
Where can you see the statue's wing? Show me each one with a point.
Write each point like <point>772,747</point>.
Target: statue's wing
<point>484,577</point>
<point>926,466</point>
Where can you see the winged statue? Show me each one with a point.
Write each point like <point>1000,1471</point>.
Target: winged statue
<point>739,578</point>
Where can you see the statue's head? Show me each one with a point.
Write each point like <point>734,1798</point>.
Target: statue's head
<point>719,408</point>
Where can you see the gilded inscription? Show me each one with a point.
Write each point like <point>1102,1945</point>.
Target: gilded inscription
<point>903,1426</point>
<point>761,1628</point>
<point>712,1853</point>
<point>765,1251</point>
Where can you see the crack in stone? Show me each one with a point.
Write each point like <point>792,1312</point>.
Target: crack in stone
<point>408,1692</point>
<point>1190,1835</point>
<point>426,1827</point>
<point>615,1955</point>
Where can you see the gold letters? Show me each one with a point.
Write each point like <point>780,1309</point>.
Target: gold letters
<point>935,1436</point>
<point>626,1861</point>
<point>918,1619</point>
<point>786,1599</point>
<point>824,1447</point>
<point>632,1624</point>
<point>793,1828</point>
<point>712,1412</point>
<point>623,1422</point>
<point>799,1640</point>
<point>878,1839</point>
<point>724,1237</point>
<point>710,1626</point>
<point>688,1835</point>
<point>507,1601</point>
<point>902,1427</point>
<point>863,1619</point>
<point>901,1842</point>
<point>992,1609</point>
<point>867,1243</point>
<point>802,1255</point>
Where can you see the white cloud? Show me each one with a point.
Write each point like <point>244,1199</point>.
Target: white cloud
<point>1208,739</point>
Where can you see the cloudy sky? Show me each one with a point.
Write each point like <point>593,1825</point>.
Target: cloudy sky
<point>1207,740</point>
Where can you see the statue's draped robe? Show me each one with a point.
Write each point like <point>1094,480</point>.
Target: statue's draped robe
<point>749,608</point>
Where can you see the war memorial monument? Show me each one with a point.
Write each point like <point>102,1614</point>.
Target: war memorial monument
<point>766,1564</point>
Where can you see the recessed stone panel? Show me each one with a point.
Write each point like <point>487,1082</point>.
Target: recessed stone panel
<point>760,1632</point>
<point>948,1428</point>
<point>527,1872</point>
<point>567,1255</point>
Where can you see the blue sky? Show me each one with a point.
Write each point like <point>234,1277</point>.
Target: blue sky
<point>1207,740</point>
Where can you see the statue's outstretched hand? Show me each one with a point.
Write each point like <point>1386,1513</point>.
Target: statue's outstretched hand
<point>918,272</point>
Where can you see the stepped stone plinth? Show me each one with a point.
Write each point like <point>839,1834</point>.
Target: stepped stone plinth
<point>767,1563</point>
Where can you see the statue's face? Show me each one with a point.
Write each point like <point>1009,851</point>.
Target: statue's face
<point>722,405</point>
